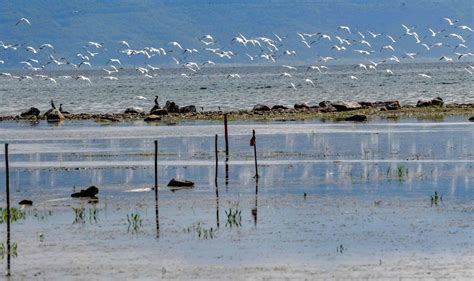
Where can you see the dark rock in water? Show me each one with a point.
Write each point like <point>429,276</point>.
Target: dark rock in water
<point>107,118</point>
<point>434,102</point>
<point>261,107</point>
<point>392,105</point>
<point>152,118</point>
<point>346,105</point>
<point>159,112</point>
<point>437,102</point>
<point>180,182</point>
<point>26,202</point>
<point>133,110</point>
<point>301,106</point>
<point>89,192</point>
<point>171,107</point>
<point>187,109</point>
<point>278,106</point>
<point>423,103</point>
<point>356,118</point>
<point>367,104</point>
<point>54,115</point>
<point>471,119</point>
<point>325,106</point>
<point>33,111</point>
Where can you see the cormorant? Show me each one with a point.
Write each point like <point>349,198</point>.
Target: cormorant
<point>61,109</point>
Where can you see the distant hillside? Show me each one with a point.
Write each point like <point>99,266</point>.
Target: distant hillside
<point>68,25</point>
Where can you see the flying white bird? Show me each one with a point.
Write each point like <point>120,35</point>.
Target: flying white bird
<point>95,44</point>
<point>23,20</point>
<point>114,60</point>
<point>83,78</point>
<point>85,63</point>
<point>286,74</point>
<point>353,77</point>
<point>125,43</point>
<point>457,36</point>
<point>361,65</point>
<point>446,58</point>
<point>345,28</point>
<point>465,27</point>
<point>176,44</point>
<point>289,67</point>
<point>31,49</point>
<point>389,71</point>
<point>152,67</point>
<point>46,45</point>
<point>110,78</point>
<point>450,21</point>
<point>313,67</point>
<point>387,47</point>
<point>309,81</point>
<point>233,75</point>
<point>362,52</point>
<point>374,35</point>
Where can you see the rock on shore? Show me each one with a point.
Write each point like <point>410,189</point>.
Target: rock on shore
<point>434,102</point>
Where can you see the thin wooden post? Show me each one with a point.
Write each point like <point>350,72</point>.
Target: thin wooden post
<point>156,191</point>
<point>255,210</point>
<point>7,177</point>
<point>215,182</point>
<point>226,136</point>
<point>253,142</point>
<point>217,157</point>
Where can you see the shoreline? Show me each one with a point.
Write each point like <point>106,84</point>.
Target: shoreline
<point>264,113</point>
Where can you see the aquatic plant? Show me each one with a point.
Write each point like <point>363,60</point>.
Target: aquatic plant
<point>400,173</point>
<point>79,215</point>
<point>341,249</point>
<point>134,222</point>
<point>15,214</point>
<point>435,198</point>
<point>234,217</point>
<point>13,250</point>
<point>93,215</point>
<point>204,233</point>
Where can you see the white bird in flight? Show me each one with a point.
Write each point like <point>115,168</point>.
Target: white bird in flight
<point>345,28</point>
<point>424,75</point>
<point>23,20</point>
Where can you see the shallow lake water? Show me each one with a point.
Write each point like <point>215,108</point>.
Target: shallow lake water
<point>333,200</point>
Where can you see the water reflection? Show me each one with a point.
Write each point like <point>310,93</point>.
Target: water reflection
<point>313,155</point>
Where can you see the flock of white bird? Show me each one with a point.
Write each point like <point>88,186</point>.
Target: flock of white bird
<point>366,45</point>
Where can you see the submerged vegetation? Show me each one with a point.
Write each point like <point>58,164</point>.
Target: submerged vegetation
<point>202,233</point>
<point>134,223</point>
<point>15,214</point>
<point>234,217</point>
<point>81,215</point>
<point>13,250</point>
<point>400,173</point>
<point>435,199</point>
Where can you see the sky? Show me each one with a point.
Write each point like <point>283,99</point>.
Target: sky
<point>69,25</point>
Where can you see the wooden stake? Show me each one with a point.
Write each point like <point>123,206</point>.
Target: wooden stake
<point>226,136</point>
<point>215,182</point>
<point>7,176</point>
<point>156,191</point>
<point>255,153</point>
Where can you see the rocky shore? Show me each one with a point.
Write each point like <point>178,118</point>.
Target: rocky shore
<point>330,110</point>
